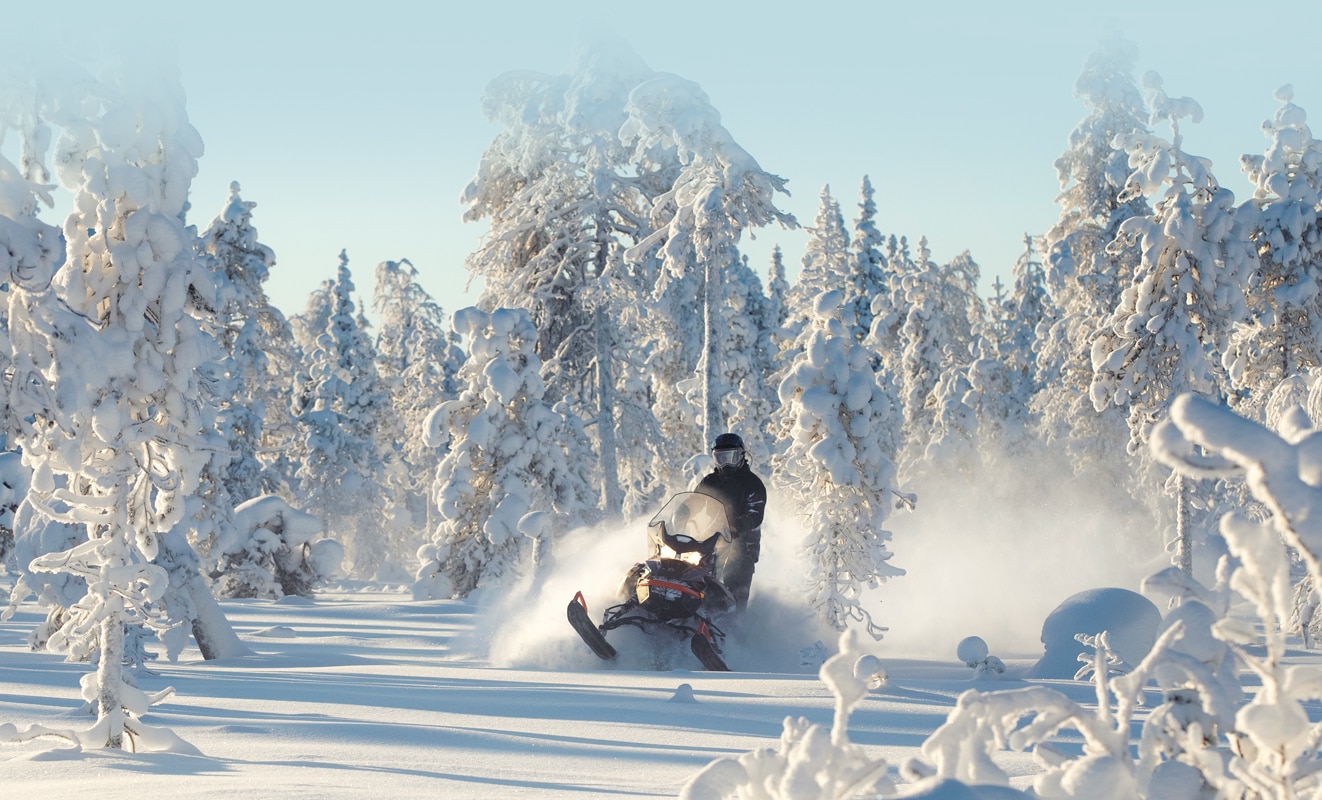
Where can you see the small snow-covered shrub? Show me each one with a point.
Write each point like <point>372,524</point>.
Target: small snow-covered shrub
<point>973,651</point>
<point>274,551</point>
<point>810,762</point>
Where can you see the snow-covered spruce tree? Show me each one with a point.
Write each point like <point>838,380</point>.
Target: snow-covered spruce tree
<point>827,262</point>
<point>1174,318</point>
<point>869,281</point>
<point>775,310</point>
<point>1003,378</point>
<point>952,443</point>
<point>311,322</point>
<point>341,409</point>
<point>942,310</point>
<point>418,356</point>
<point>511,454</point>
<point>719,193</point>
<point>834,416</point>
<point>1283,334</point>
<point>1085,271</point>
<point>259,344</point>
<point>889,311</point>
<point>566,198</point>
<point>14,479</point>
<point>107,389</point>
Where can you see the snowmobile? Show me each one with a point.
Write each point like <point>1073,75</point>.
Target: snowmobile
<point>675,590</point>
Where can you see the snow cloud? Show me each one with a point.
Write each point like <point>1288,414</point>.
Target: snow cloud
<point>526,625</point>
<point>992,557</point>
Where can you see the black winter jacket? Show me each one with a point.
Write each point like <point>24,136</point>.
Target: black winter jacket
<point>745,500</point>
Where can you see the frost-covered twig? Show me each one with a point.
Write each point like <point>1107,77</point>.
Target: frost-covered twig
<point>810,762</point>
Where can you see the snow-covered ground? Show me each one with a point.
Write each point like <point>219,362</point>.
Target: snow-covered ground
<point>366,692</point>
<point>370,694</point>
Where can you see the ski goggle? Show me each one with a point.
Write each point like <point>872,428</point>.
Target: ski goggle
<point>728,458</point>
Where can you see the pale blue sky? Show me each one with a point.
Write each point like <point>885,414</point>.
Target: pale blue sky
<point>356,126</point>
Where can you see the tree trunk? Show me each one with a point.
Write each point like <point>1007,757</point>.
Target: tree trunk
<point>109,678</point>
<point>214,634</point>
<point>212,631</point>
<point>712,423</point>
<point>611,497</point>
<point>1184,547</point>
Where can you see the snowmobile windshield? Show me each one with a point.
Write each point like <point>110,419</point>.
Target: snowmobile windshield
<point>690,517</point>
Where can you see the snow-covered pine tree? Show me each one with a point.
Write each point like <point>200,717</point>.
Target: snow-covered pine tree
<point>108,388</point>
<point>418,358</point>
<point>719,193</point>
<point>343,415</point>
<point>511,453</point>
<point>565,201</point>
<point>1283,334</point>
<point>748,402</point>
<point>258,340</point>
<point>274,550</point>
<point>1173,319</point>
<point>833,415</point>
<point>1207,737</point>
<point>1085,268</point>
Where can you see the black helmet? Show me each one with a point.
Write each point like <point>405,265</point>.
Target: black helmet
<point>728,450</point>
<point>728,441</point>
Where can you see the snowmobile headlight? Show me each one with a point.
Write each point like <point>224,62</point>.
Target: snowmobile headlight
<point>692,557</point>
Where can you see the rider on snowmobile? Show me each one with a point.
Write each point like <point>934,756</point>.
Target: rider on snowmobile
<point>745,498</point>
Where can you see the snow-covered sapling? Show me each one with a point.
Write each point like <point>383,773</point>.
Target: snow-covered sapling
<point>274,551</point>
<point>810,762</point>
<point>973,651</point>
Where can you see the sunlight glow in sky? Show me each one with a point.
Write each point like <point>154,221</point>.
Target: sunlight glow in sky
<point>357,126</point>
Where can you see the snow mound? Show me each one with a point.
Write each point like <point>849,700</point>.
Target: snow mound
<point>277,632</point>
<point>1130,619</point>
<point>684,694</point>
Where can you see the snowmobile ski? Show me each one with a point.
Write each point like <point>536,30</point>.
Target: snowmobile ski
<point>590,633</point>
<point>706,653</point>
